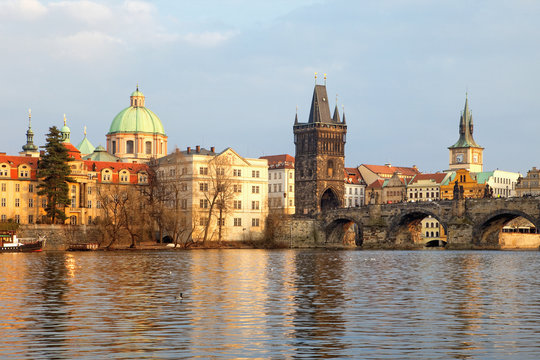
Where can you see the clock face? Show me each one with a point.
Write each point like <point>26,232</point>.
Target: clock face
<point>459,158</point>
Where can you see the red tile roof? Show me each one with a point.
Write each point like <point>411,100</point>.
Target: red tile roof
<point>15,161</point>
<point>436,177</point>
<point>352,176</point>
<point>388,169</point>
<point>377,184</point>
<point>73,151</point>
<point>284,161</point>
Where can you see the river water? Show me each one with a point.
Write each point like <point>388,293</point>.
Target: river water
<point>270,304</point>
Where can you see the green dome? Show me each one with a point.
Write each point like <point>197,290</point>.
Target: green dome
<point>137,93</point>
<point>136,120</point>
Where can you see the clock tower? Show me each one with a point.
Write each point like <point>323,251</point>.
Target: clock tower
<point>466,153</point>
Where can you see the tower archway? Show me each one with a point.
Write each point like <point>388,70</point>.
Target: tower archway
<point>329,200</point>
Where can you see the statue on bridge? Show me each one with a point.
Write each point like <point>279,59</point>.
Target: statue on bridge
<point>459,192</point>
<point>488,192</point>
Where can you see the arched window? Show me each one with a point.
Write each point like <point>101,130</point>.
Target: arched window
<point>129,146</point>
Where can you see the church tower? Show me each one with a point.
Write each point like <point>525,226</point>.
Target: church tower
<point>466,153</point>
<point>30,149</point>
<point>320,157</point>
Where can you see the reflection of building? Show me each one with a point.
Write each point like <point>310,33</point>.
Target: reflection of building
<point>354,188</point>
<point>136,133</point>
<point>466,153</point>
<point>240,205</point>
<point>320,157</point>
<point>530,184</point>
<point>426,187</point>
<point>280,183</point>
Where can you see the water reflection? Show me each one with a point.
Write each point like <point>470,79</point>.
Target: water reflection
<point>270,304</point>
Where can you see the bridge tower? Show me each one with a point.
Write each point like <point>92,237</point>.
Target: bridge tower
<point>466,153</point>
<point>320,157</point>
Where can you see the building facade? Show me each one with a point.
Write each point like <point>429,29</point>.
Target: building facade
<point>320,157</point>
<point>426,187</point>
<point>462,184</point>
<point>222,195</point>
<point>466,153</point>
<point>280,183</point>
<point>530,184</point>
<point>354,188</point>
<point>501,183</point>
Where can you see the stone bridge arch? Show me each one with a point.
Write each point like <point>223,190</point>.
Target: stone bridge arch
<point>486,231</point>
<point>406,227</point>
<point>344,230</point>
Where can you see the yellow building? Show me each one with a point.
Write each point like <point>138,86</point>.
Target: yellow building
<point>462,184</point>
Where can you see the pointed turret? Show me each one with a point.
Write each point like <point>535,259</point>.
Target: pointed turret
<point>65,132</point>
<point>343,112</point>
<point>85,146</point>
<point>335,118</point>
<point>296,117</point>
<point>30,147</point>
<point>465,129</point>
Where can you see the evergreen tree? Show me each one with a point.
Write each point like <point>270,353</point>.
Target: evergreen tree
<point>54,171</point>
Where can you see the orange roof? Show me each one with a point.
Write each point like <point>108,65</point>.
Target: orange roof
<point>284,161</point>
<point>352,176</point>
<point>18,160</point>
<point>73,151</point>
<point>115,166</point>
<point>388,169</point>
<point>377,184</point>
<point>436,177</point>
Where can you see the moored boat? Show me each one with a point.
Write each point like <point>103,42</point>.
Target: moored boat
<point>9,242</point>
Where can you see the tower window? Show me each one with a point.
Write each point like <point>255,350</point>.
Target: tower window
<point>148,147</point>
<point>330,168</point>
<point>114,147</point>
<point>129,146</point>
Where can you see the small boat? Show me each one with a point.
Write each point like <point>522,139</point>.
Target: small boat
<point>9,242</point>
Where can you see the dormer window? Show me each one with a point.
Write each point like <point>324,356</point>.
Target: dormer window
<point>106,175</point>
<point>143,178</point>
<point>24,171</point>
<point>4,170</point>
<point>124,176</point>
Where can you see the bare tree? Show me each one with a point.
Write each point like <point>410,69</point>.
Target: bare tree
<point>218,192</point>
<point>112,201</point>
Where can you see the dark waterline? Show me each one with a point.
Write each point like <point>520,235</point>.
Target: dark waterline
<point>277,304</point>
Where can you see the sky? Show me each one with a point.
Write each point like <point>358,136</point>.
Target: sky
<point>232,73</point>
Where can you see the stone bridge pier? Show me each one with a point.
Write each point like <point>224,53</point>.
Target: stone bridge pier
<point>468,223</point>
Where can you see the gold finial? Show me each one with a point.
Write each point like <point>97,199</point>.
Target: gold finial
<point>324,79</point>
<point>64,119</point>
<point>29,113</point>
<point>84,130</point>
<point>137,86</point>
<point>315,78</point>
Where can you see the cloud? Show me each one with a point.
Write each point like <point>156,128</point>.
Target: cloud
<point>22,9</point>
<point>86,45</point>
<point>86,11</point>
<point>208,39</point>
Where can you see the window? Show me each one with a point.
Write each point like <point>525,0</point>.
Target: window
<point>290,175</point>
<point>3,202</point>
<point>275,176</point>
<point>148,147</point>
<point>257,173</point>
<point>124,176</point>
<point>237,172</point>
<point>237,188</point>
<point>203,203</point>
<point>89,220</point>
<point>255,222</point>
<point>254,205</point>
<point>275,187</point>
<point>17,202</point>
<point>4,218</point>
<point>43,202</point>
<point>89,204</point>
<point>221,222</point>
<point>203,186</point>
<point>30,219</point>
<point>237,204</point>
<point>279,187</point>
<point>269,188</point>
<point>30,203</point>
<point>114,147</point>
<point>89,190</point>
<point>279,175</point>
<point>98,204</point>
<point>129,146</point>
<point>183,187</point>
<point>3,186</point>
<point>220,171</point>
<point>203,221</point>
<point>4,170</point>
<point>255,189</point>
<point>237,221</point>
<point>17,187</point>
<point>183,204</point>
<point>330,168</point>
<point>203,171</point>
<point>106,175</point>
<point>269,176</point>
<point>17,219</point>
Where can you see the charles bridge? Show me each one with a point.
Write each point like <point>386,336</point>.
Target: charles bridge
<point>466,222</point>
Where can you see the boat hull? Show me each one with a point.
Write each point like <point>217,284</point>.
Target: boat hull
<point>30,247</point>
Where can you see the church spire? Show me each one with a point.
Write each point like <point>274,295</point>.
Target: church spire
<point>30,147</point>
<point>466,128</point>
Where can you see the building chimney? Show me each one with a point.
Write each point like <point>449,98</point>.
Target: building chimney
<point>198,148</point>
<point>388,165</point>
<point>213,149</point>
<point>188,150</point>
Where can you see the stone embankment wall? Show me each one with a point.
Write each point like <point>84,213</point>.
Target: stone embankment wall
<point>520,241</point>
<point>299,232</point>
<point>59,237</point>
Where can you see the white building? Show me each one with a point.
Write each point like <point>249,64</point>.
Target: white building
<point>503,183</point>
<point>224,190</point>
<point>426,187</point>
<point>355,187</point>
<point>280,183</point>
